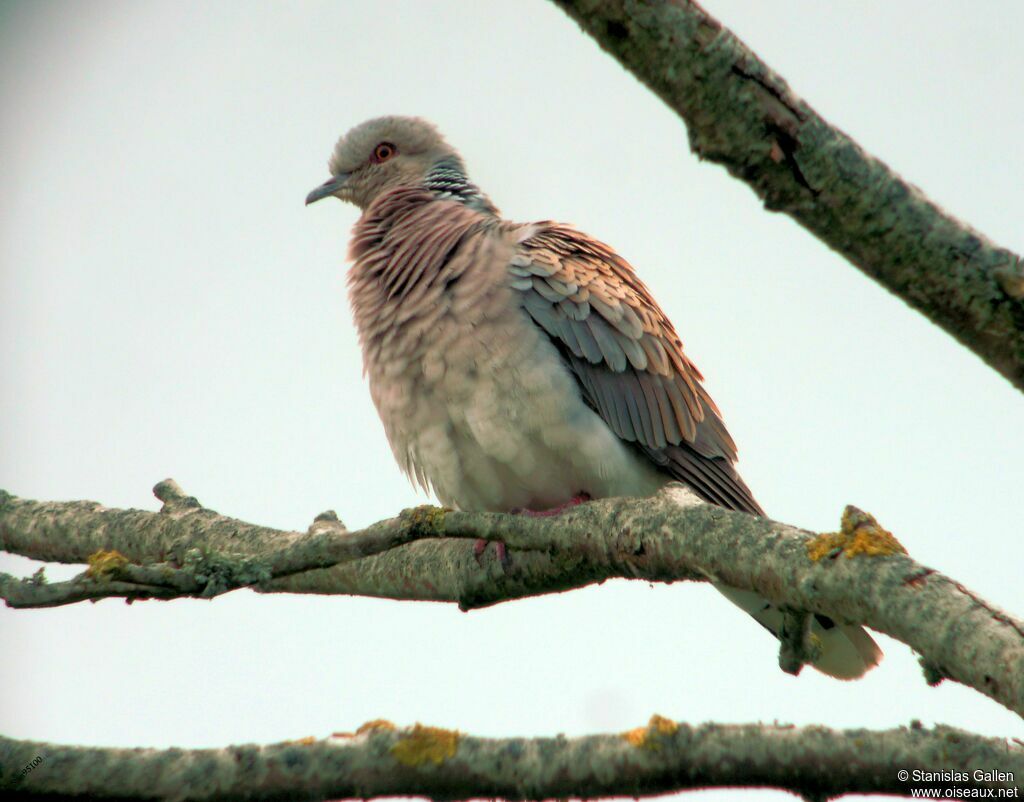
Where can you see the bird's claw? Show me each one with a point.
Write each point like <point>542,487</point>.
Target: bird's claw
<point>480,546</point>
<point>580,498</point>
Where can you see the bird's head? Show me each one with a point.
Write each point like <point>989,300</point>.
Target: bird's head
<point>383,154</point>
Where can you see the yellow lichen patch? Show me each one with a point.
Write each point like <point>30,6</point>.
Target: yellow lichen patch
<point>376,724</point>
<point>103,563</point>
<point>860,533</point>
<point>824,544</point>
<point>647,737</point>
<point>426,517</point>
<point>426,744</point>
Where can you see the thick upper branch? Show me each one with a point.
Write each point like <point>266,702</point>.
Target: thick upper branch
<point>381,760</point>
<point>858,575</point>
<point>743,116</point>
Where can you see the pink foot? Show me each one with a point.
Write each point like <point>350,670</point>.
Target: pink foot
<point>480,545</point>
<point>576,500</point>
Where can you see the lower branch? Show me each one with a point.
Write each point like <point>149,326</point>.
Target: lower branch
<point>858,575</point>
<point>380,760</point>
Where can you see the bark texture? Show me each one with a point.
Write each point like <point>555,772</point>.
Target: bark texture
<point>859,574</point>
<point>742,115</point>
<point>381,760</point>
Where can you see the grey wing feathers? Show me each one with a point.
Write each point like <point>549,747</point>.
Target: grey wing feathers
<point>628,359</point>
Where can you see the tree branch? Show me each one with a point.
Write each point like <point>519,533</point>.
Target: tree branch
<point>380,760</point>
<point>743,116</point>
<point>858,575</point>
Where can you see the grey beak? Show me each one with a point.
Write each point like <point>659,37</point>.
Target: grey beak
<point>327,188</point>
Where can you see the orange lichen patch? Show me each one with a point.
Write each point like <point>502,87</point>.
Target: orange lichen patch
<point>376,724</point>
<point>103,563</point>
<point>426,744</point>
<point>309,739</point>
<point>860,533</point>
<point>647,737</point>
<point>662,725</point>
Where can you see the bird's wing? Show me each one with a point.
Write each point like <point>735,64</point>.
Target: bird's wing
<point>627,358</point>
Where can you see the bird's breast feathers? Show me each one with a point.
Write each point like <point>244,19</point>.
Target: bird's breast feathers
<point>477,402</point>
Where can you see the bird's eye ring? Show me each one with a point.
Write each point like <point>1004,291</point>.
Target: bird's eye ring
<point>383,152</point>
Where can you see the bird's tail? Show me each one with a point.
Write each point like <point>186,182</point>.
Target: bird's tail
<point>847,650</point>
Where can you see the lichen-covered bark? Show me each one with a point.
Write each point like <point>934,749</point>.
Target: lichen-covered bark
<point>381,760</point>
<point>859,575</point>
<point>743,116</point>
<point>189,550</point>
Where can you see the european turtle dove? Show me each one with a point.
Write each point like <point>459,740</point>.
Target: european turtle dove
<point>524,365</point>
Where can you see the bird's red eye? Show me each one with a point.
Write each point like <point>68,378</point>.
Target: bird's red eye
<point>383,152</point>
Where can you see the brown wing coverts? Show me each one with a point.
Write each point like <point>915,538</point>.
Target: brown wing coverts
<point>628,359</point>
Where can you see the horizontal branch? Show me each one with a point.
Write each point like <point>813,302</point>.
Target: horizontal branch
<point>858,575</point>
<point>380,760</point>
<point>742,115</point>
<point>187,550</point>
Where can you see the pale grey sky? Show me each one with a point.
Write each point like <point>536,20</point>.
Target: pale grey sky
<point>168,307</point>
